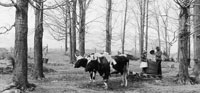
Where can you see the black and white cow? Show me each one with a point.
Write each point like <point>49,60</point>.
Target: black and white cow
<point>103,65</point>
<point>82,62</point>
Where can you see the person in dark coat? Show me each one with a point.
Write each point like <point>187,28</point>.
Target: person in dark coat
<point>158,55</point>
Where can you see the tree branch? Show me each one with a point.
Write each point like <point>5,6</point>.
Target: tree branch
<point>15,4</point>
<point>178,2</point>
<point>183,4</point>
<point>6,29</point>
<point>7,5</point>
<point>47,7</point>
<point>88,4</point>
<point>59,37</point>
<point>40,1</point>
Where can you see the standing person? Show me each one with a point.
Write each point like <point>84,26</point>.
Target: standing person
<point>143,63</point>
<point>158,61</point>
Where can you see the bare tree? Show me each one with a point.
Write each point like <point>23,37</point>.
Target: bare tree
<point>165,19</point>
<point>38,49</point>
<point>124,28</point>
<point>60,29</point>
<point>147,20</point>
<point>196,36</point>
<point>73,32</point>
<point>20,51</point>
<point>57,20</point>
<point>158,27</point>
<point>142,25</point>
<point>67,18</point>
<point>183,75</point>
<point>82,9</point>
<point>108,26</point>
<point>38,45</point>
<point>136,12</point>
<point>21,28</point>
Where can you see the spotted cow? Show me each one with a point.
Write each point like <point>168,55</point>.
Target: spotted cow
<point>105,63</point>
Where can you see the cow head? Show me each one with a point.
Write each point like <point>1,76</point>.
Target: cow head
<point>81,62</point>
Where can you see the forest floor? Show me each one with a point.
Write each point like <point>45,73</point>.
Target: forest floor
<point>66,79</point>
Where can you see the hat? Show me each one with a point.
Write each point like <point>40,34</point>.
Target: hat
<point>152,52</point>
<point>157,48</point>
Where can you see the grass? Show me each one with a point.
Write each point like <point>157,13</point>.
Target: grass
<point>61,77</point>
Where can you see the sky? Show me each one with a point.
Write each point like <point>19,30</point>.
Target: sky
<point>95,37</point>
<point>7,17</point>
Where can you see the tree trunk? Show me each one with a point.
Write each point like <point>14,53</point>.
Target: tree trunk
<point>66,26</point>
<point>178,55</point>
<point>124,30</point>
<point>183,75</point>
<point>82,6</point>
<point>158,30</point>
<point>73,33</point>
<point>66,36</point>
<point>147,20</point>
<point>108,26</point>
<point>21,30</point>
<point>196,39</point>
<point>135,45</point>
<point>38,56</point>
<point>70,30</point>
<point>189,27</point>
<point>166,36</point>
<point>142,21</point>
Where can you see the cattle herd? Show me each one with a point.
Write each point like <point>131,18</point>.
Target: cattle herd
<point>105,65</point>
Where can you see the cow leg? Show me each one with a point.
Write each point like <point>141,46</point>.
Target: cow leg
<point>106,83</point>
<point>125,79</point>
<point>91,76</point>
<point>122,84</point>
<point>124,76</point>
<point>105,79</point>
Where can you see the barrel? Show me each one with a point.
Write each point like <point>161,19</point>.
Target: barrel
<point>152,67</point>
